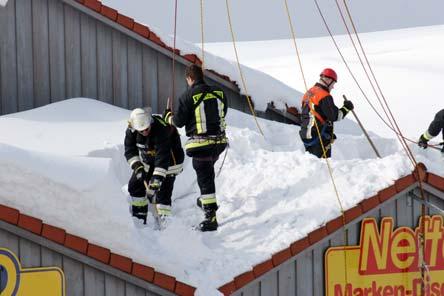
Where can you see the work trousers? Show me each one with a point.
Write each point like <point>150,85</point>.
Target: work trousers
<point>136,188</point>
<point>203,164</point>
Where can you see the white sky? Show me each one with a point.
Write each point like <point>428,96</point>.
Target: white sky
<point>268,19</point>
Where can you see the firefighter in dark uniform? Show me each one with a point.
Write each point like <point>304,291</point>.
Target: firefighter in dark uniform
<point>435,127</point>
<point>154,152</point>
<point>202,109</point>
<point>318,108</point>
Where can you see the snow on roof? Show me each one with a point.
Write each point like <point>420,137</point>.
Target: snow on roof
<point>63,163</point>
<point>260,86</point>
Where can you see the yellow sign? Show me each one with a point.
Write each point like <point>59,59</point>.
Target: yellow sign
<point>387,262</point>
<point>15,281</point>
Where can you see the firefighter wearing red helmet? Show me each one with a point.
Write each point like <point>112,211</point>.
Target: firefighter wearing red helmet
<point>318,108</point>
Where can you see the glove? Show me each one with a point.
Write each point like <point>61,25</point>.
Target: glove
<point>422,142</point>
<point>139,170</point>
<point>155,182</point>
<point>154,186</point>
<point>348,105</point>
<point>168,116</point>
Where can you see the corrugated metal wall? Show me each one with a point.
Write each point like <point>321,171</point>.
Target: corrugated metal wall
<point>84,276</point>
<point>51,50</point>
<point>303,275</point>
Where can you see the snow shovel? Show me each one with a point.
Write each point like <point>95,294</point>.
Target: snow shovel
<point>363,130</point>
<point>154,211</point>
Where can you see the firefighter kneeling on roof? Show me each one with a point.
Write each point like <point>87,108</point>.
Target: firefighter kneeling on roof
<point>318,114</point>
<point>202,109</point>
<point>154,152</point>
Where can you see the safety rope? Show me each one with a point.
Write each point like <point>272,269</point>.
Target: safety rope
<point>421,251</point>
<point>324,149</point>
<point>173,91</point>
<point>389,125</point>
<point>202,33</point>
<point>240,70</point>
<point>385,107</point>
<point>294,43</point>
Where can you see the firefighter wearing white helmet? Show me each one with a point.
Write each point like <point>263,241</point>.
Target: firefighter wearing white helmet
<point>154,153</point>
<point>140,119</point>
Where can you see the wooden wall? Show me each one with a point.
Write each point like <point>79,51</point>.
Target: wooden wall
<point>52,50</point>
<point>84,276</point>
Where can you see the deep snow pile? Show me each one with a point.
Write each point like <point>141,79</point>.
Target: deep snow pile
<point>409,71</point>
<point>64,164</point>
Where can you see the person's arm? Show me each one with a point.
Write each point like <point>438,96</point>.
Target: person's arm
<point>334,113</point>
<point>131,150</point>
<point>163,152</point>
<point>183,110</point>
<point>435,126</point>
<point>329,109</point>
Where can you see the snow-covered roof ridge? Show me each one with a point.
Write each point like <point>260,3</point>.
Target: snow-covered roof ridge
<point>96,252</point>
<point>143,30</point>
<point>419,174</point>
<point>262,88</point>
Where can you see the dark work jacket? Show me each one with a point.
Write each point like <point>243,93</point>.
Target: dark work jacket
<point>161,148</point>
<point>327,109</point>
<point>437,124</point>
<point>201,117</point>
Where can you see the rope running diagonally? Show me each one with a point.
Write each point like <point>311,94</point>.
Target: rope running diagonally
<point>424,266</point>
<point>351,73</point>
<point>240,70</point>
<point>330,170</point>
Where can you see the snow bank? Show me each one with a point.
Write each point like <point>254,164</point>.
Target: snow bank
<point>408,70</point>
<point>64,164</point>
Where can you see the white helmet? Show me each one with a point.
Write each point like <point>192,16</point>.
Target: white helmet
<point>140,119</point>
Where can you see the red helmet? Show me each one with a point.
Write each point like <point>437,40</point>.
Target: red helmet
<point>330,73</point>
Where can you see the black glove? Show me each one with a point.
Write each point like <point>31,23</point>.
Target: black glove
<point>168,116</point>
<point>139,170</point>
<point>348,105</point>
<point>154,186</point>
<point>422,142</point>
<point>155,182</point>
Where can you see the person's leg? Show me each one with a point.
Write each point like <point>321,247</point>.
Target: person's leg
<point>139,203</point>
<point>319,151</point>
<point>164,196</point>
<point>204,168</point>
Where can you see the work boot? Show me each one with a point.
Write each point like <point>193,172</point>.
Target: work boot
<point>199,204</point>
<point>164,212</point>
<point>210,221</point>
<point>139,208</point>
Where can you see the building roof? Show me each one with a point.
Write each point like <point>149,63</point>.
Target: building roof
<point>142,30</point>
<point>366,205</point>
<point>99,253</point>
<point>149,274</point>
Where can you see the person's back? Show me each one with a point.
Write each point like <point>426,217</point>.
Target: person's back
<point>202,109</point>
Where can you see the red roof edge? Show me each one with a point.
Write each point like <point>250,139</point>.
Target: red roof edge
<point>99,253</point>
<point>142,30</point>
<point>331,226</point>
